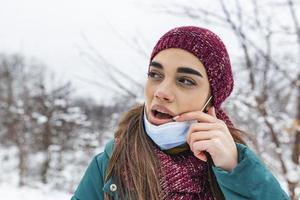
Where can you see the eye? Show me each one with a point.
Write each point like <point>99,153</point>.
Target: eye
<point>186,81</point>
<point>154,75</point>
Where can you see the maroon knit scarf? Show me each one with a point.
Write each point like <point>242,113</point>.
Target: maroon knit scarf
<point>183,176</point>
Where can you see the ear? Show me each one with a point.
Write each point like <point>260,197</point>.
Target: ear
<point>212,111</point>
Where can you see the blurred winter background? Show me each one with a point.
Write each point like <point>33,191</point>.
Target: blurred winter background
<point>69,69</point>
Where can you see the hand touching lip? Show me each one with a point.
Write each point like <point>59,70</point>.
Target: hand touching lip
<point>212,135</point>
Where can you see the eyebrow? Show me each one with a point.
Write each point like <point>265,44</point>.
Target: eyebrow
<point>186,70</point>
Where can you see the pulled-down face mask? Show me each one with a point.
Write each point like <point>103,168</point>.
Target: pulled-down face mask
<point>169,135</point>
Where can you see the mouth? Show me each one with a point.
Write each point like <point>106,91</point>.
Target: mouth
<point>160,115</point>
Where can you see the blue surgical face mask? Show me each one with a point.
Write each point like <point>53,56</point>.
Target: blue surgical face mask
<point>168,135</point>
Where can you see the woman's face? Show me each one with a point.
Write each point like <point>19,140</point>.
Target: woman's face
<point>177,83</point>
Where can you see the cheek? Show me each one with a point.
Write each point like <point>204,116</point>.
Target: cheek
<point>148,95</point>
<point>191,102</point>
<point>148,91</point>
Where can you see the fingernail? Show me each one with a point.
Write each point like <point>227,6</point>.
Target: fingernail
<point>176,117</point>
<point>202,156</point>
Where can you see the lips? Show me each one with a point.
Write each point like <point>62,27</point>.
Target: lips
<point>158,121</point>
<point>162,109</point>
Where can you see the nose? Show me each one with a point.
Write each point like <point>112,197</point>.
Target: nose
<point>164,93</point>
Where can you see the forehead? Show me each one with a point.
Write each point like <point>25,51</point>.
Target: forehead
<point>173,58</point>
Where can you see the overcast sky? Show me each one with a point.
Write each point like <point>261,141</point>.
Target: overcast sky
<point>52,31</point>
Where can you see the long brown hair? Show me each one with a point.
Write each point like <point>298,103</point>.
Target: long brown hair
<point>133,164</point>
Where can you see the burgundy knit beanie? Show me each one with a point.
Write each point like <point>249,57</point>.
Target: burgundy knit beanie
<point>211,51</point>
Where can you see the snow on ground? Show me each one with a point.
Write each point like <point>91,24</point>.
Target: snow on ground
<point>11,192</point>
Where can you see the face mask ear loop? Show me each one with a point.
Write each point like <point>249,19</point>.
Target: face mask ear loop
<point>206,104</point>
<point>144,107</point>
<point>144,110</point>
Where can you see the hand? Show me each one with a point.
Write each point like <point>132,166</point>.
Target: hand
<point>212,135</point>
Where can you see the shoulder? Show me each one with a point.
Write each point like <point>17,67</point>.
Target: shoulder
<point>250,178</point>
<point>92,182</point>
<point>248,162</point>
<point>102,158</point>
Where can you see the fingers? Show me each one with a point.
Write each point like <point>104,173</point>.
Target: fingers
<point>198,115</point>
<point>211,146</point>
<point>210,135</point>
<point>203,135</point>
<point>195,115</point>
<point>201,155</point>
<point>204,131</point>
<point>199,148</point>
<point>202,126</point>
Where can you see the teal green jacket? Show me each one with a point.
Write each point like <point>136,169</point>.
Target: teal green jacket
<point>249,180</point>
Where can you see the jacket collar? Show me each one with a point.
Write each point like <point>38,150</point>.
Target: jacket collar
<point>109,148</point>
<point>107,187</point>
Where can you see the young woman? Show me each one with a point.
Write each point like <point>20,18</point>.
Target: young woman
<point>180,144</point>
